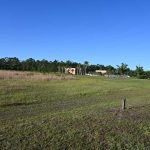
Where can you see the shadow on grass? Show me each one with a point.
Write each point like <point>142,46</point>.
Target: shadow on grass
<point>19,104</point>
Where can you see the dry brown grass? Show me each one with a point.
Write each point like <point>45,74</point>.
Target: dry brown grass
<point>4,75</point>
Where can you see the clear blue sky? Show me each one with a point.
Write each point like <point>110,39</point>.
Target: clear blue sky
<point>100,31</point>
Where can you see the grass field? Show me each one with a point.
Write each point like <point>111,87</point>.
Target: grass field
<point>77,114</point>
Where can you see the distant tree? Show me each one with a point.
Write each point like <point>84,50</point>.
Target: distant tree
<point>147,73</point>
<point>110,69</point>
<point>132,73</point>
<point>54,66</point>
<point>79,69</point>
<point>86,64</point>
<point>14,63</point>
<point>44,65</point>
<point>123,69</point>
<point>61,67</point>
<point>2,63</point>
<point>92,68</point>
<point>30,64</point>
<point>68,64</point>
<point>101,67</point>
<point>139,72</point>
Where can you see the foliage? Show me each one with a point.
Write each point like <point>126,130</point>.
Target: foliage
<point>59,66</point>
<point>86,64</point>
<point>123,69</point>
<point>139,72</point>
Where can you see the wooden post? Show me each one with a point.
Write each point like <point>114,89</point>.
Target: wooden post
<point>124,104</point>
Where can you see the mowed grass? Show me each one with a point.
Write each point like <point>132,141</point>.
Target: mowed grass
<point>83,113</point>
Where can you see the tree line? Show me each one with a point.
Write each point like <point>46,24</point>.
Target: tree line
<point>13,63</point>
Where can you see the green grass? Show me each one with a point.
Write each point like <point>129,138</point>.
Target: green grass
<point>75,114</point>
